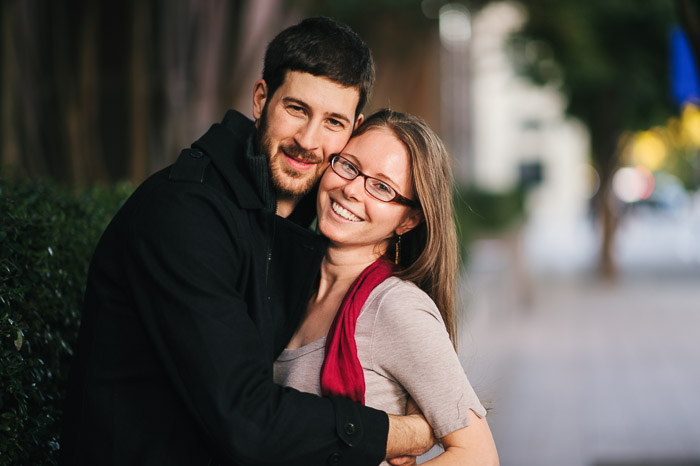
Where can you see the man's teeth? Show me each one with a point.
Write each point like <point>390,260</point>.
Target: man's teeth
<point>346,214</point>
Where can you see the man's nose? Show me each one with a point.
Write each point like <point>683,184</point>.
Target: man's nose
<point>308,135</point>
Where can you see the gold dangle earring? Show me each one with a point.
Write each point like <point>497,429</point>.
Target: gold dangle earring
<point>398,248</point>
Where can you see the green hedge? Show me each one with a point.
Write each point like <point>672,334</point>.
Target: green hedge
<point>47,235</point>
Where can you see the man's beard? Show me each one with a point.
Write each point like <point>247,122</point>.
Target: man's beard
<point>286,182</point>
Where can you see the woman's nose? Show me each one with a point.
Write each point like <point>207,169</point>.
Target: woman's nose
<point>354,188</point>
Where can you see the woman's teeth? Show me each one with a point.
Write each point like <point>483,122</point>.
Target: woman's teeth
<point>346,214</point>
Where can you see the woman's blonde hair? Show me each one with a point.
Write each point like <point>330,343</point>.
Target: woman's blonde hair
<point>429,255</point>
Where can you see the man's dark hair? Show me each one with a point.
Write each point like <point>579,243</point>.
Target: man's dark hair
<point>322,47</point>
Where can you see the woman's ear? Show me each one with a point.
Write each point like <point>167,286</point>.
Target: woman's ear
<point>259,98</point>
<point>412,220</point>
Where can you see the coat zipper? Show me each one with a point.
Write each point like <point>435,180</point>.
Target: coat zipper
<point>271,241</point>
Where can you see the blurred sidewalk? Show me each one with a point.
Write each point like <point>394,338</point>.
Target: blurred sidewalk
<point>583,373</point>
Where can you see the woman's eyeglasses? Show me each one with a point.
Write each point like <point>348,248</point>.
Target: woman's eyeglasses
<point>378,189</point>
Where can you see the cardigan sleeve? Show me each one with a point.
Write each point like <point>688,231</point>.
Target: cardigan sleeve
<point>185,269</point>
<point>411,345</point>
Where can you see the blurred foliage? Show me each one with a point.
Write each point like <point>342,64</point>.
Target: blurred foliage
<point>480,213</point>
<point>47,236</point>
<point>616,48</point>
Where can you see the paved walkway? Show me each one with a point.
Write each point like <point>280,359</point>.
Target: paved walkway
<point>583,373</point>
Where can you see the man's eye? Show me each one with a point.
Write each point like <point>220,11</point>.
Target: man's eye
<point>295,109</point>
<point>335,123</point>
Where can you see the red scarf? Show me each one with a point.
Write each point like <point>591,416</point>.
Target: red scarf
<point>341,374</point>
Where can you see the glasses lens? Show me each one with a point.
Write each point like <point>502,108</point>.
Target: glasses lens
<point>344,168</point>
<point>380,190</point>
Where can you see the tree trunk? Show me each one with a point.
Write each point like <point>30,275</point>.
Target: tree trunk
<point>258,24</point>
<point>605,140</point>
<point>210,33</point>
<point>139,109</point>
<point>30,67</point>
<point>9,157</point>
<point>83,112</point>
<point>608,216</point>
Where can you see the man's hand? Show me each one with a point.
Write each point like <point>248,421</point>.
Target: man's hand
<point>403,461</point>
<point>409,436</point>
<point>411,409</point>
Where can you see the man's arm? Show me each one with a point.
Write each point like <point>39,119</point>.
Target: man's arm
<point>185,269</point>
<point>409,435</point>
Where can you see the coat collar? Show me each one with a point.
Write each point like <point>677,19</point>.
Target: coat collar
<point>227,145</point>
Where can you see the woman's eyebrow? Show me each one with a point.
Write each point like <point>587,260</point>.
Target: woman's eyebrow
<point>350,157</point>
<point>384,177</point>
<point>379,176</point>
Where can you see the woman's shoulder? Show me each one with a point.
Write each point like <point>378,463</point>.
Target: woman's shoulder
<point>398,288</point>
<point>396,296</point>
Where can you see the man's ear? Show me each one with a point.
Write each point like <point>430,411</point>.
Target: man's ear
<point>259,98</point>
<point>412,220</point>
<point>358,121</point>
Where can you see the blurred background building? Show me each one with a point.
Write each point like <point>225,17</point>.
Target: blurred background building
<point>575,132</point>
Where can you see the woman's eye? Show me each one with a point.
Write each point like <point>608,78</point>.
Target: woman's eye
<point>348,167</point>
<point>383,187</point>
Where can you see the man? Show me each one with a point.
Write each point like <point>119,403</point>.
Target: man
<point>199,281</point>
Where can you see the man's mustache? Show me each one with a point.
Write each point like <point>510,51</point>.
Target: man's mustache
<point>297,152</point>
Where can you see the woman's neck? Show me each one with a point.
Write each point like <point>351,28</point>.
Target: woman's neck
<point>341,266</point>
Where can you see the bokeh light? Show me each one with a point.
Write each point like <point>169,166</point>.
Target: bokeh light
<point>455,26</point>
<point>648,149</point>
<point>633,184</point>
<point>690,124</point>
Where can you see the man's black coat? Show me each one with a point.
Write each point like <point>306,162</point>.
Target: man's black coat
<point>193,291</point>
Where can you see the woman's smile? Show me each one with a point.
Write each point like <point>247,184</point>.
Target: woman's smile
<point>343,212</point>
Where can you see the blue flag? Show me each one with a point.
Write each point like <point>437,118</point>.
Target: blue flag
<point>685,86</point>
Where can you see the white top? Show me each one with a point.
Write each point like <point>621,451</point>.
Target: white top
<point>404,348</point>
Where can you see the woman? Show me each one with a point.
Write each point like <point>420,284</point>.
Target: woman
<point>380,325</point>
